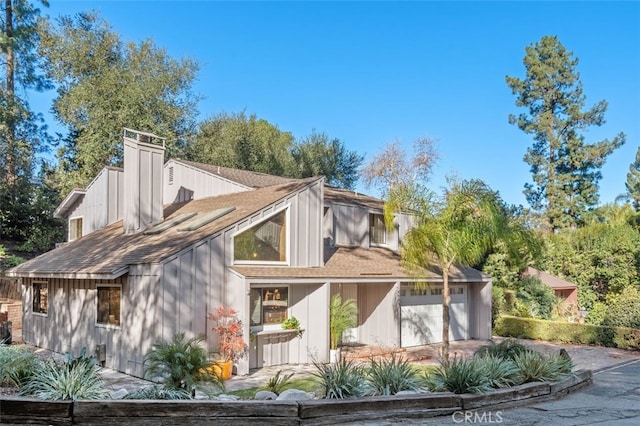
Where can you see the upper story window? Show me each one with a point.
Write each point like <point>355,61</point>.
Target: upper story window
<point>108,307</point>
<point>40,297</point>
<point>377,230</point>
<point>264,242</point>
<point>75,228</point>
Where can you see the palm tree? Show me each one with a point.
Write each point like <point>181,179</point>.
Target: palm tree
<point>459,229</point>
<point>342,315</point>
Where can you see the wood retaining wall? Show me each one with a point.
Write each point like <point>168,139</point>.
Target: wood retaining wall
<point>20,410</point>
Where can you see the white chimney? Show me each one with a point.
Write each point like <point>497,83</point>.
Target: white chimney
<point>143,169</point>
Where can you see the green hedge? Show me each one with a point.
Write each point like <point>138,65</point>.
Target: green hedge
<point>581,334</point>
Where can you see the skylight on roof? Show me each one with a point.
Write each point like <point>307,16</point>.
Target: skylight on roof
<point>169,223</point>
<point>205,219</point>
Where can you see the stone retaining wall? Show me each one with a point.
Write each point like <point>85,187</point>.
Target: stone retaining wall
<point>19,410</point>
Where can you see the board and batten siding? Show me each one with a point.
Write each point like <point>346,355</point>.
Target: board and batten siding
<point>378,315</point>
<point>349,225</point>
<point>102,203</point>
<point>190,183</point>
<point>196,281</point>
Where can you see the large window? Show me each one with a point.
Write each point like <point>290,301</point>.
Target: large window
<point>75,228</point>
<point>109,298</point>
<point>266,241</point>
<point>377,230</point>
<point>269,305</point>
<point>40,297</point>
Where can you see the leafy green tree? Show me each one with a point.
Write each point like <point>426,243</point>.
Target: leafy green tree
<point>601,258</point>
<point>458,229</point>
<point>317,155</point>
<point>565,169</point>
<point>104,85</point>
<point>633,182</point>
<point>243,142</point>
<point>251,143</point>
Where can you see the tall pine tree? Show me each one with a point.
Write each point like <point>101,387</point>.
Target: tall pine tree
<point>566,170</point>
<point>633,182</point>
<point>22,134</point>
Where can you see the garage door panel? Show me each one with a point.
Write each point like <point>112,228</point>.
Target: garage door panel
<point>417,328</point>
<point>421,317</point>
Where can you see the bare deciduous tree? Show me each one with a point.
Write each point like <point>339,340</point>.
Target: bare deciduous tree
<point>394,166</point>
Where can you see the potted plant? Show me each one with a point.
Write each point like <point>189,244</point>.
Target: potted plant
<point>231,343</point>
<point>292,323</point>
<point>342,315</point>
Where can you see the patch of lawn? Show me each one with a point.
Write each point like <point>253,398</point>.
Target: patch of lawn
<point>307,384</point>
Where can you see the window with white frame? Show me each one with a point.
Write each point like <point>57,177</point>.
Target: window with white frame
<point>269,305</point>
<point>264,242</point>
<point>40,292</point>
<point>75,228</point>
<point>108,305</point>
<point>377,229</point>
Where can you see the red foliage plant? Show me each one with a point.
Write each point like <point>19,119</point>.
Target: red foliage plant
<point>231,344</point>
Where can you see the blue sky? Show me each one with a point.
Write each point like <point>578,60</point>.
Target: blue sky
<point>370,73</point>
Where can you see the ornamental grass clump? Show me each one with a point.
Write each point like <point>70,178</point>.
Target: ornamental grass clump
<point>342,379</point>
<point>75,378</point>
<point>500,372</point>
<point>459,375</point>
<point>277,383</point>
<point>158,392</point>
<point>536,367</point>
<point>17,365</point>
<point>392,375</point>
<point>507,349</point>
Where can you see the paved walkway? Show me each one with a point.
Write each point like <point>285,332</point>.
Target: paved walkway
<point>584,357</point>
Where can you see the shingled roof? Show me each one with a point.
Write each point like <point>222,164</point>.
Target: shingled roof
<point>346,196</point>
<point>357,263</point>
<point>243,177</point>
<point>107,253</point>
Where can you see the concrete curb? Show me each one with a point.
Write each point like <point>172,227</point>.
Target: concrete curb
<point>19,410</point>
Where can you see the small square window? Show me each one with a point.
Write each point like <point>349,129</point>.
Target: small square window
<point>75,228</point>
<point>109,300</point>
<point>40,297</point>
<point>269,305</point>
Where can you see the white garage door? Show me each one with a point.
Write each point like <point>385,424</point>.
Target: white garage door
<point>421,315</point>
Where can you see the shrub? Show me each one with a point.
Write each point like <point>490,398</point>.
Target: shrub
<point>391,376</point>
<point>623,309</point>
<point>158,392</point>
<point>538,297</point>
<point>342,379</point>
<point>459,375</point>
<point>506,349</point>
<point>537,367</point>
<point>180,363</point>
<point>277,383</point>
<point>63,381</point>
<point>582,334</point>
<point>13,260</point>
<point>17,364</point>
